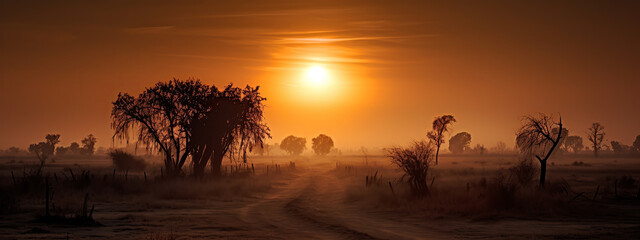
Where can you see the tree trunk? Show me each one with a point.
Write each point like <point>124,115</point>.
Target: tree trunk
<point>216,163</point>
<point>437,152</point>
<point>543,172</point>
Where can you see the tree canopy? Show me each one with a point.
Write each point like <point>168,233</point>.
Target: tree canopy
<point>322,144</point>
<point>459,142</point>
<point>164,118</point>
<point>293,145</point>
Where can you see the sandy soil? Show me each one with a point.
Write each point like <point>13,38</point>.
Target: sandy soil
<point>311,203</point>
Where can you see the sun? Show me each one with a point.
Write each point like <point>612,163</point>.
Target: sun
<point>317,76</point>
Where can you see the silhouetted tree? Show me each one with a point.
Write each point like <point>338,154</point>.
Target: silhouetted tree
<point>322,144</point>
<point>89,144</point>
<point>161,118</point>
<point>13,150</point>
<point>440,127</point>
<point>52,140</point>
<point>620,148</point>
<point>232,123</point>
<point>573,143</point>
<point>479,149</point>
<point>536,137</point>
<point>459,142</point>
<point>596,137</point>
<point>565,133</point>
<point>41,150</point>
<point>293,145</point>
<point>500,147</point>
<point>261,150</point>
<point>415,162</point>
<point>636,143</point>
<point>44,150</point>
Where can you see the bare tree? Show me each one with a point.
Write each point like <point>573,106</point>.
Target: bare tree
<point>537,138</point>
<point>596,137</point>
<point>415,162</point>
<point>440,127</point>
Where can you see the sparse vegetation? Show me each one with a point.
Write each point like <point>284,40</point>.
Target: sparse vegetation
<point>414,162</point>
<point>123,161</point>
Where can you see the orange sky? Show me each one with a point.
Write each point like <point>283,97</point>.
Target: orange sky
<point>393,66</point>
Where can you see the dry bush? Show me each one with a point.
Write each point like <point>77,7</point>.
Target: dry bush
<point>124,161</point>
<point>414,161</point>
<point>523,171</point>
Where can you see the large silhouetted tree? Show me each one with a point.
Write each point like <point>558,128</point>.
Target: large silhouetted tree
<point>188,118</point>
<point>440,127</point>
<point>232,123</point>
<point>322,144</point>
<point>459,142</point>
<point>537,138</point>
<point>161,117</point>
<point>293,145</point>
<point>596,137</point>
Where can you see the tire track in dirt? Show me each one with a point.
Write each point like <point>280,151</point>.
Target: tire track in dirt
<point>283,214</point>
<point>312,206</point>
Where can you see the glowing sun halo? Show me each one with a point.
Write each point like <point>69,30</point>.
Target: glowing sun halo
<point>317,76</point>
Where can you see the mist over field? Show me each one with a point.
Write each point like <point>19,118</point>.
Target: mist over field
<point>319,120</point>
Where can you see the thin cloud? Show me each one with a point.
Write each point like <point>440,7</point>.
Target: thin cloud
<point>149,30</point>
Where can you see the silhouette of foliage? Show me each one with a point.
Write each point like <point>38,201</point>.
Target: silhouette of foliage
<point>596,137</point>
<point>322,144</point>
<point>89,144</point>
<point>124,161</point>
<point>636,143</point>
<point>440,127</point>
<point>293,145</point>
<point>573,143</point>
<point>565,133</point>
<point>182,118</point>
<point>162,116</point>
<point>415,162</point>
<point>231,124</point>
<point>460,142</point>
<point>44,150</point>
<point>537,138</point>
<point>479,149</point>
<point>261,150</point>
<point>41,150</point>
<point>500,147</point>
<point>620,148</point>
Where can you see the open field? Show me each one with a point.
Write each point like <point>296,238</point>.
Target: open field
<point>328,198</point>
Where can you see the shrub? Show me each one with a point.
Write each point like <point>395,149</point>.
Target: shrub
<point>414,161</point>
<point>127,162</point>
<point>524,172</point>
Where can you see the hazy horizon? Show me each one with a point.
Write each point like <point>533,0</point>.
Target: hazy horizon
<point>393,67</point>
